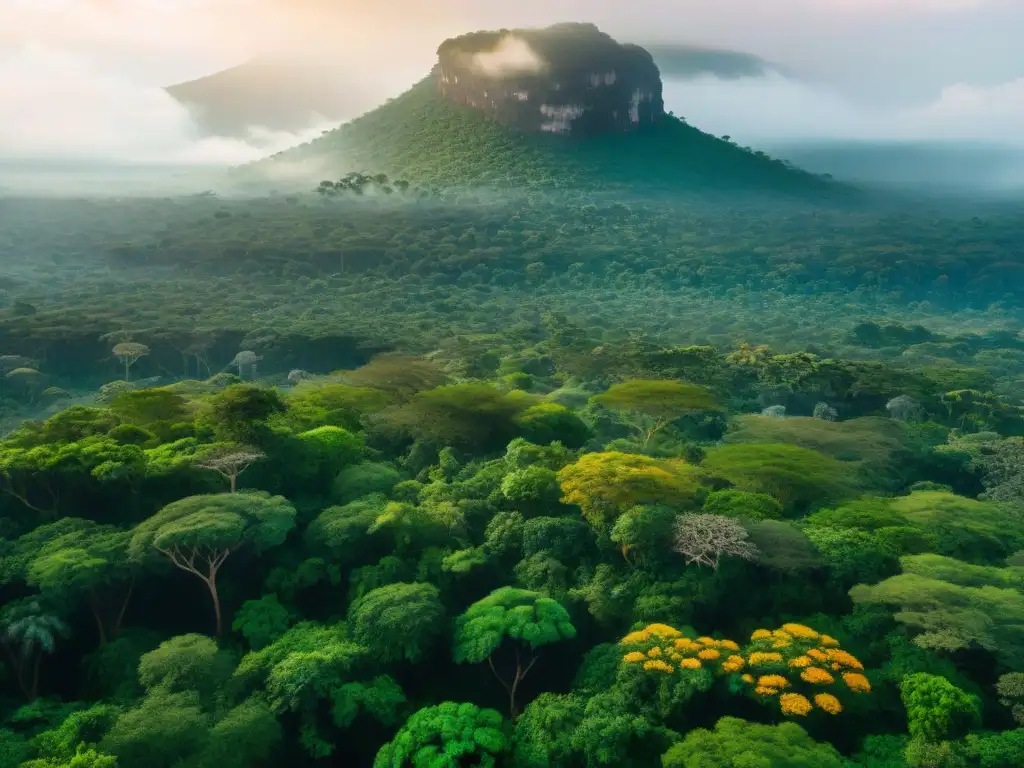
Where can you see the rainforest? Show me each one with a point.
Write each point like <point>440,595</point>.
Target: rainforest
<point>436,442</point>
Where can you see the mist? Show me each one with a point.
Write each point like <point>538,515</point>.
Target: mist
<point>82,81</point>
<point>968,137</point>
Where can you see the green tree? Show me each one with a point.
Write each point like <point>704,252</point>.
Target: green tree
<point>955,605</point>
<point>79,561</point>
<point>187,663</point>
<point>1011,694</point>
<point>29,632</point>
<point>161,731</point>
<point>262,621</point>
<point>198,533</point>
<point>659,401</point>
<point>510,616</point>
<point>247,735</point>
<point>936,709</point>
<point>398,621</point>
<point>447,735</point>
<point>472,416</point>
<point>797,477</point>
<point>736,743</point>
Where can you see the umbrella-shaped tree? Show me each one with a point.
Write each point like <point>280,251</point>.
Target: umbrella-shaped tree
<point>510,616</point>
<point>198,533</point>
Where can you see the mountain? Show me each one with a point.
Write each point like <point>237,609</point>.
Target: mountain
<point>679,61</point>
<point>273,93</point>
<point>428,139</point>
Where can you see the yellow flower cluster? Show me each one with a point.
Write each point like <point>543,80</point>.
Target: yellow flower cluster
<point>733,664</point>
<point>659,665</point>
<point>794,704</point>
<point>815,657</point>
<point>856,682</point>
<point>817,675</point>
<point>758,658</point>
<point>799,630</point>
<point>840,659</point>
<point>829,703</point>
<point>672,649</point>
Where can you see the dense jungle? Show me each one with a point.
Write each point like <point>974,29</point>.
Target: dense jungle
<point>511,451</point>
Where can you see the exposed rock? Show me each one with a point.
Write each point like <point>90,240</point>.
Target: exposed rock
<point>567,79</point>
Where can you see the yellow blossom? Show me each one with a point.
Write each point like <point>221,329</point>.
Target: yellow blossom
<point>757,657</point>
<point>817,654</point>
<point>663,630</point>
<point>800,662</point>
<point>856,682</point>
<point>659,665</point>
<point>843,659</point>
<point>709,654</point>
<point>760,634</point>
<point>640,636</point>
<point>778,634</point>
<point>828,641</point>
<point>772,681</point>
<point>794,704</point>
<point>690,664</point>
<point>829,703</point>
<point>707,641</point>
<point>634,656</point>
<point>782,642</point>
<point>729,645</point>
<point>733,663</point>
<point>747,678</point>
<point>801,631</point>
<point>654,652</point>
<point>762,691</point>
<point>817,676</point>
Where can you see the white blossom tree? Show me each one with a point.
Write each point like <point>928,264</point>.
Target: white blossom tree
<point>704,539</point>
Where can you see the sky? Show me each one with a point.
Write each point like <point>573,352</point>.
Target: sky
<point>82,79</point>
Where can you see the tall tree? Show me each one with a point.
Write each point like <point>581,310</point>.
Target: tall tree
<point>658,401</point>
<point>198,533</point>
<point>29,632</point>
<point>510,616</point>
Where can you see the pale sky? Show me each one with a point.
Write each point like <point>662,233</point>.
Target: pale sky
<point>83,77</point>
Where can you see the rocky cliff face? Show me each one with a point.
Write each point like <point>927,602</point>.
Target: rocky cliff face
<point>567,79</point>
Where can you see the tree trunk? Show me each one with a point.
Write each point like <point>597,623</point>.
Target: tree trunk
<point>94,605</point>
<point>124,607</point>
<point>34,690</point>
<point>211,582</point>
<point>233,479</point>
<point>126,367</point>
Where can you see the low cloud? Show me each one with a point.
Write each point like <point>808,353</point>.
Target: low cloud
<point>58,104</point>
<point>774,108</point>
<point>512,56</point>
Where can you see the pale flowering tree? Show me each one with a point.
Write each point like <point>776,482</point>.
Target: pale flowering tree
<point>704,539</point>
<point>230,461</point>
<point>246,361</point>
<point>904,408</point>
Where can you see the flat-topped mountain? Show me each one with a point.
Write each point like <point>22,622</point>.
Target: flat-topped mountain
<point>567,78</point>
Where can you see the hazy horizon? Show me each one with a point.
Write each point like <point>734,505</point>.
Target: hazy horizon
<point>83,80</point>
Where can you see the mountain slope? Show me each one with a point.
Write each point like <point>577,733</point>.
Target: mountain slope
<point>427,140</point>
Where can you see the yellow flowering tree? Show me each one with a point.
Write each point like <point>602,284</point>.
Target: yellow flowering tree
<point>666,666</point>
<point>802,669</point>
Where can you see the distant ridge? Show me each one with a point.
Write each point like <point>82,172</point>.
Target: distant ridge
<point>683,61</point>
<point>278,94</point>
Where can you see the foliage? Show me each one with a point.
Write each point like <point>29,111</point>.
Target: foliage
<point>738,743</point>
<point>398,621</point>
<point>446,734</point>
